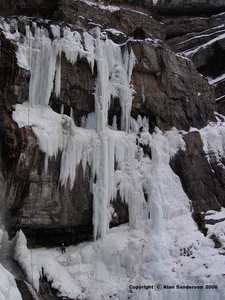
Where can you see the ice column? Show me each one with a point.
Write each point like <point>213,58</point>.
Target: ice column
<point>113,79</point>
<point>41,60</point>
<point>42,57</point>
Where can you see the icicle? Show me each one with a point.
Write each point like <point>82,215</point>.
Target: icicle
<point>62,109</point>
<point>142,91</point>
<point>71,113</point>
<point>91,121</point>
<point>83,121</point>
<point>42,56</point>
<point>90,48</point>
<point>46,163</point>
<point>55,31</point>
<point>42,64</point>
<point>114,76</point>
<point>58,78</point>
<point>114,124</point>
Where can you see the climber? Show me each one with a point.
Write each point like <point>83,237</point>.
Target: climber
<point>63,248</point>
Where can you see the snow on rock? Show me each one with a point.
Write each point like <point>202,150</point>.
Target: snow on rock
<point>218,230</point>
<point>217,79</point>
<point>35,266</point>
<point>215,215</point>
<point>101,6</point>
<point>213,137</point>
<point>189,53</point>
<point>115,32</point>
<point>46,125</point>
<point>8,287</point>
<point>24,257</point>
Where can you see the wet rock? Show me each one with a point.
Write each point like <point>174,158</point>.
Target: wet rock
<point>24,291</point>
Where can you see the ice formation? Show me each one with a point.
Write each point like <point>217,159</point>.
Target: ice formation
<point>116,261</point>
<point>98,146</point>
<point>8,287</point>
<point>213,138</point>
<point>157,251</point>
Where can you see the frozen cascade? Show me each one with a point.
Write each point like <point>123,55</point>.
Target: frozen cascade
<point>8,287</point>
<point>100,148</point>
<point>213,137</point>
<point>147,254</point>
<point>117,255</point>
<point>41,55</point>
<point>113,79</point>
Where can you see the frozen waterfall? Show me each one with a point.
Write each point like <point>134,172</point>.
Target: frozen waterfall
<point>100,147</point>
<point>149,249</point>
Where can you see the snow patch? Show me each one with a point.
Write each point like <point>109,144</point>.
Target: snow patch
<point>217,79</point>
<point>101,6</point>
<point>213,137</point>
<point>191,52</point>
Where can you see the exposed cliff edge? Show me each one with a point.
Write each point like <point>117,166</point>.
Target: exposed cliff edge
<point>112,114</point>
<point>191,7</point>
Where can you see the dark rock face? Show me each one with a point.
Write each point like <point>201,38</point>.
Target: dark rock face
<point>220,95</point>
<point>205,46</point>
<point>8,67</point>
<point>203,182</point>
<point>39,8</point>
<point>191,7</point>
<point>169,90</point>
<point>77,90</point>
<point>123,19</point>
<point>46,291</point>
<point>180,28</point>
<point>47,212</point>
